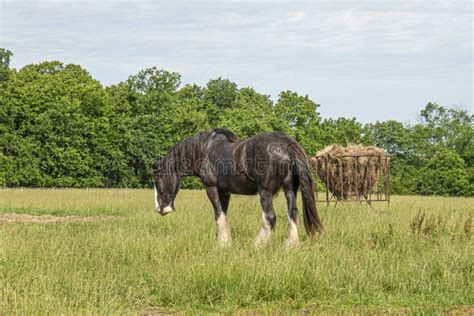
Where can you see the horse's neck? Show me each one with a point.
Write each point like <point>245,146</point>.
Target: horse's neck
<point>189,154</point>
<point>185,157</point>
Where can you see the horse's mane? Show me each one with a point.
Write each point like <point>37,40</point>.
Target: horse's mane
<point>193,145</point>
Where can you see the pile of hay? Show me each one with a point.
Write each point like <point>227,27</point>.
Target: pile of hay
<point>358,175</point>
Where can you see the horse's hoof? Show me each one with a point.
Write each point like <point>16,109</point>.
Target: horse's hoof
<point>224,244</point>
<point>260,242</point>
<point>292,243</point>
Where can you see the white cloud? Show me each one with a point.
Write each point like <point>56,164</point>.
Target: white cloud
<point>361,46</point>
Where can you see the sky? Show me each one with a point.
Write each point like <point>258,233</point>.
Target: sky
<point>373,60</point>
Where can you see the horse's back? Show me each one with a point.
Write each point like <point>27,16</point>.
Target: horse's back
<point>270,159</point>
<point>270,145</point>
<point>244,166</point>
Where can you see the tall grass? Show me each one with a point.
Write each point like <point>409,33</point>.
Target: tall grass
<point>372,259</point>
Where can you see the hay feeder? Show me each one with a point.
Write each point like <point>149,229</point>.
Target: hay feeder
<point>353,173</point>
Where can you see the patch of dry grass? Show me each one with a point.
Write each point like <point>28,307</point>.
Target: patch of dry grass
<point>49,219</point>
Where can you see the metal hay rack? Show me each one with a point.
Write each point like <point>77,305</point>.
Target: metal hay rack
<point>353,177</point>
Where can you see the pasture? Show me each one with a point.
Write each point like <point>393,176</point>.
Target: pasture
<point>416,256</point>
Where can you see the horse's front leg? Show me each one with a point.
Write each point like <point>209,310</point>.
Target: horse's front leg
<point>268,218</point>
<point>220,203</point>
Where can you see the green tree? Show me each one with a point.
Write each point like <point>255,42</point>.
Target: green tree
<point>252,113</point>
<point>50,122</point>
<point>449,128</point>
<point>149,114</point>
<point>219,95</point>
<point>340,131</point>
<point>60,127</point>
<point>5,71</point>
<point>301,116</point>
<point>139,133</point>
<point>221,92</point>
<point>398,142</point>
<point>445,174</point>
<point>6,162</point>
<point>391,135</point>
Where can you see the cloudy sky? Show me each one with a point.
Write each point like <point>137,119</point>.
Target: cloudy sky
<point>373,60</point>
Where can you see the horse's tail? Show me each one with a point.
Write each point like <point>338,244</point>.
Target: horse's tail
<point>311,220</point>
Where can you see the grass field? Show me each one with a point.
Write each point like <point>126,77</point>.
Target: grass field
<point>369,260</point>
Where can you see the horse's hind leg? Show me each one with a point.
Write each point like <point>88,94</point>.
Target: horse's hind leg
<point>268,217</point>
<point>290,194</point>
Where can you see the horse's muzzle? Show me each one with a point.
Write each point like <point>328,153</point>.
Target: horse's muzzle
<point>166,210</point>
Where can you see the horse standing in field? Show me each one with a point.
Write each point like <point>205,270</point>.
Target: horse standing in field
<point>262,164</point>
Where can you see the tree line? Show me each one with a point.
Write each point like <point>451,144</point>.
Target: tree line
<point>59,127</point>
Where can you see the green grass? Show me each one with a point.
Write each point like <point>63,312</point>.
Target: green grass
<point>375,259</point>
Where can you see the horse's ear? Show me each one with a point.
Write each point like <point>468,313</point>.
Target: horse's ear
<point>155,166</point>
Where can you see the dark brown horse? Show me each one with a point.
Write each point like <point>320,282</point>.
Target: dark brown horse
<point>262,164</point>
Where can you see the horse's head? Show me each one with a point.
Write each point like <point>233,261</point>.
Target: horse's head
<point>166,188</point>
